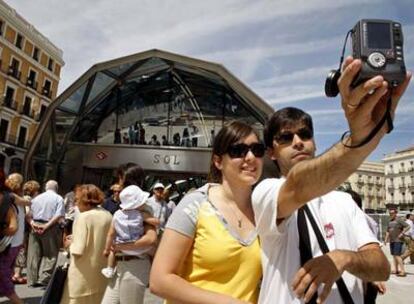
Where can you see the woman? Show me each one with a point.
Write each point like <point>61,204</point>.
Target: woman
<point>128,286</point>
<point>84,283</point>
<point>210,252</point>
<point>8,228</point>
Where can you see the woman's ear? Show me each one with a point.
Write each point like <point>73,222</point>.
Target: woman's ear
<point>217,162</point>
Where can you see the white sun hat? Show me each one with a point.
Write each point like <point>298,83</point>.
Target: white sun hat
<point>132,197</point>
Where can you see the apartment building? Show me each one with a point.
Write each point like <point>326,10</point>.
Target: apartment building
<point>368,181</point>
<point>399,179</point>
<point>30,67</point>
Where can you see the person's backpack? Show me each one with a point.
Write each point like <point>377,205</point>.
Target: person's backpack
<point>5,204</point>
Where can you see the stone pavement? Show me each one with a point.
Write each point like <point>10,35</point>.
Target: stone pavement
<point>399,290</point>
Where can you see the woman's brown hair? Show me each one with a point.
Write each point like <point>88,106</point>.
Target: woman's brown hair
<point>89,194</point>
<point>230,134</point>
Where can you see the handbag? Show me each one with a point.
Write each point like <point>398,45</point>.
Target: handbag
<point>54,289</point>
<point>306,252</point>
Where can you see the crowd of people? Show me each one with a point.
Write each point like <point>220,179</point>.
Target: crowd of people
<point>237,239</point>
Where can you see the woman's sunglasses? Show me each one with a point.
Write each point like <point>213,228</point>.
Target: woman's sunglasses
<point>241,150</point>
<point>287,137</point>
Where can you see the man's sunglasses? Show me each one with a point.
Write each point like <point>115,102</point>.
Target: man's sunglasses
<point>287,137</point>
<point>241,150</point>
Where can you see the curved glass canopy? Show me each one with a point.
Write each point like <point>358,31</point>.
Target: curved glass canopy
<point>152,98</point>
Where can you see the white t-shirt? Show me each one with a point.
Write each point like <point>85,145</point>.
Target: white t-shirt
<point>341,222</point>
<point>19,235</point>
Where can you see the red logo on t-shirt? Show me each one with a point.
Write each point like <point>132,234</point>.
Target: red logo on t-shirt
<point>329,230</point>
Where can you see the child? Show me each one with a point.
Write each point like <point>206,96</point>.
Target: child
<point>127,225</point>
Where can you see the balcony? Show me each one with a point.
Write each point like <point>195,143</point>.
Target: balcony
<point>31,83</point>
<point>9,103</point>
<point>47,92</point>
<point>14,72</point>
<point>12,140</point>
<point>27,112</point>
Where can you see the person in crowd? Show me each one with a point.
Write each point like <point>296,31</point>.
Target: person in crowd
<point>395,236</point>
<point>8,228</point>
<point>409,239</point>
<point>128,286</point>
<point>142,135</point>
<point>164,140</point>
<point>177,139</point>
<point>117,136</point>
<point>45,237</point>
<point>15,183</point>
<point>210,252</point>
<point>69,203</point>
<point>112,202</point>
<point>185,141</point>
<point>84,283</point>
<point>127,225</point>
<point>125,138</point>
<point>371,289</point>
<point>161,209</point>
<point>355,254</point>
<point>194,136</point>
<point>154,141</point>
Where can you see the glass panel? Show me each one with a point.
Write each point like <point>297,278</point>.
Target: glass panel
<point>101,82</point>
<point>74,101</point>
<point>118,70</point>
<point>64,123</point>
<point>149,67</point>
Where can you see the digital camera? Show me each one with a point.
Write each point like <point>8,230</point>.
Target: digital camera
<point>379,45</point>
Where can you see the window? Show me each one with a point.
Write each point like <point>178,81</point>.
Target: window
<point>14,68</point>
<point>31,79</point>
<point>4,125</point>
<point>1,27</point>
<point>50,64</point>
<point>27,106</point>
<point>35,54</point>
<point>21,141</point>
<point>42,111</point>
<point>19,41</point>
<point>46,88</point>
<point>9,97</point>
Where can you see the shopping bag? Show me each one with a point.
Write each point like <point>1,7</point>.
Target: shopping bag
<point>54,289</point>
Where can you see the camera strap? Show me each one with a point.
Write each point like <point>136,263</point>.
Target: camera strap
<point>386,118</point>
<point>306,253</point>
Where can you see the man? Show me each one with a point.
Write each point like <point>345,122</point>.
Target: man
<point>395,235</point>
<point>160,208</point>
<point>112,203</point>
<point>46,211</point>
<point>354,254</point>
<point>409,239</point>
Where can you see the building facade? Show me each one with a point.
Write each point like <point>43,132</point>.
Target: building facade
<point>368,181</point>
<point>399,179</point>
<point>30,67</point>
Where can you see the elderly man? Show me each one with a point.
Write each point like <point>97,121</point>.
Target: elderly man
<point>45,237</point>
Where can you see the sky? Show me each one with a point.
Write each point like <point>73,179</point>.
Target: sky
<point>281,49</point>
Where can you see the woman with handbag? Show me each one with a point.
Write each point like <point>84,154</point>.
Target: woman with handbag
<point>84,283</point>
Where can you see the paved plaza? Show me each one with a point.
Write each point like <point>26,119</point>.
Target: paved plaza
<point>399,290</point>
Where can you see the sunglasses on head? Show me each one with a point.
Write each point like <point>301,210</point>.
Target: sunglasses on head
<point>287,137</point>
<point>241,150</point>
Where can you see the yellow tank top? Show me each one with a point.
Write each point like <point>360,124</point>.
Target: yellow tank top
<point>221,262</point>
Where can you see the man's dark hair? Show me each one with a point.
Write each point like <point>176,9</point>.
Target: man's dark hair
<point>356,197</point>
<point>407,216</point>
<point>134,176</point>
<point>286,117</point>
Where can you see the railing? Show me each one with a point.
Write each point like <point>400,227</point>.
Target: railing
<point>31,83</point>
<point>47,92</point>
<point>13,140</point>
<point>8,103</point>
<point>14,72</point>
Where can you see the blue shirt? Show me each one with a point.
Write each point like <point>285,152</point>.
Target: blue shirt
<point>47,205</point>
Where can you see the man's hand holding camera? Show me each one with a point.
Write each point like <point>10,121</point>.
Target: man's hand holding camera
<point>366,104</point>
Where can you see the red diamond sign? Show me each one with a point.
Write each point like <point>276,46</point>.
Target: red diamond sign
<point>101,155</point>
